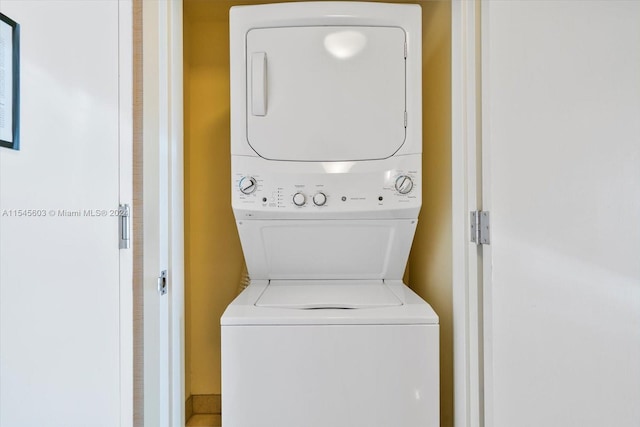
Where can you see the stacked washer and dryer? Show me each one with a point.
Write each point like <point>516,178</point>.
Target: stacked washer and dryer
<point>326,145</point>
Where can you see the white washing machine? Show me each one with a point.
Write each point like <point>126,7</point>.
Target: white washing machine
<point>326,172</point>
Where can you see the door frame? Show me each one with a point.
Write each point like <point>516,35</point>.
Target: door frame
<point>164,402</point>
<point>166,24</point>
<point>467,166</point>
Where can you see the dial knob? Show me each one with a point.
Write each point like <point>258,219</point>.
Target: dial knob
<point>404,184</point>
<point>319,199</point>
<point>299,199</point>
<point>248,184</point>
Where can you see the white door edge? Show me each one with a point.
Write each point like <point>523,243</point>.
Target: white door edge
<point>485,275</point>
<point>466,197</point>
<point>125,111</point>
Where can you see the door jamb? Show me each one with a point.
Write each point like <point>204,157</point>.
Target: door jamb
<point>466,197</point>
<point>176,211</point>
<point>163,50</point>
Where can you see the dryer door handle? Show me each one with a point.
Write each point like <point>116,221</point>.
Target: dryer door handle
<point>259,83</point>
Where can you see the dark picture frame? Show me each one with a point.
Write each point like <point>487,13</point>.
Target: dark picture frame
<point>9,83</point>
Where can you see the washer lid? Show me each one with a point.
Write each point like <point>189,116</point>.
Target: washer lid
<point>327,294</point>
<point>244,310</point>
<point>325,93</point>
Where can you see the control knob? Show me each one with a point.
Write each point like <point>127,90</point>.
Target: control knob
<point>299,199</point>
<point>248,184</point>
<point>319,199</point>
<point>404,184</point>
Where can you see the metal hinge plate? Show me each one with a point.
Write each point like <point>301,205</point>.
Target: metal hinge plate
<point>480,227</point>
<point>124,212</point>
<point>162,283</point>
<point>405,119</point>
<point>405,50</point>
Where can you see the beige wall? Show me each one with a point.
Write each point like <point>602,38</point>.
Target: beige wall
<point>213,254</point>
<point>430,261</point>
<point>213,258</point>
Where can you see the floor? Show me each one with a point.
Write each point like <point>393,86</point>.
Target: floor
<point>203,410</point>
<point>205,420</point>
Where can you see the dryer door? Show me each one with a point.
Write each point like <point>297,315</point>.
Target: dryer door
<point>326,93</point>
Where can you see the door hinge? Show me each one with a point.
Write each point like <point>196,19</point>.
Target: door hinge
<point>124,212</point>
<point>480,227</point>
<point>405,50</point>
<point>405,119</point>
<point>162,283</point>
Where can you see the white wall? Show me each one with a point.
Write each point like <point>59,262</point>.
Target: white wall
<point>64,311</point>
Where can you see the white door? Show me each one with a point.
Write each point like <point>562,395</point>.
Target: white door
<point>65,286</point>
<point>561,179</point>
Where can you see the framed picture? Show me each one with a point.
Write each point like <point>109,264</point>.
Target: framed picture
<point>9,83</point>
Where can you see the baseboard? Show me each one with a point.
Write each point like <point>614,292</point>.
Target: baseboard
<point>203,404</point>
<point>188,409</point>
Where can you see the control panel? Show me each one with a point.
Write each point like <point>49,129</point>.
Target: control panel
<point>325,192</point>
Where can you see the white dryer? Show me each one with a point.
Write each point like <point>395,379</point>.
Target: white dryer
<point>326,172</point>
